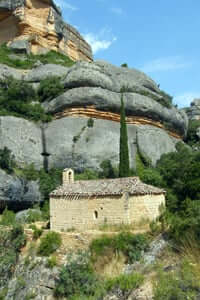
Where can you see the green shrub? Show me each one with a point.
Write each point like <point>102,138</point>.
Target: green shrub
<point>107,170</point>
<point>125,282</point>
<point>8,218</point>
<point>37,232</point>
<point>34,215</point>
<point>52,262</point>
<point>11,241</point>
<point>7,160</point>
<point>192,138</point>
<point>179,285</point>
<point>52,57</point>
<point>49,243</point>
<point>90,123</point>
<point>50,88</point>
<point>77,278</point>
<point>19,99</point>
<point>124,65</point>
<point>129,244</point>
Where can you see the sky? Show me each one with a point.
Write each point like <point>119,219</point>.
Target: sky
<point>158,37</point>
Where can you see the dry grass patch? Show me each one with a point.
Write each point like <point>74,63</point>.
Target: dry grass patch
<point>110,265</point>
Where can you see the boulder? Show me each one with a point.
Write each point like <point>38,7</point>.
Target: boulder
<point>39,280</point>
<point>193,112</point>
<point>20,46</point>
<point>17,191</point>
<point>6,71</point>
<point>108,101</point>
<point>153,142</point>
<point>43,71</point>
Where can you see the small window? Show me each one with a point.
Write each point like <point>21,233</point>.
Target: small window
<point>96,214</point>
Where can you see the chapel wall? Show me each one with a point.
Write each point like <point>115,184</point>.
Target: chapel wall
<point>87,213</point>
<point>145,207</point>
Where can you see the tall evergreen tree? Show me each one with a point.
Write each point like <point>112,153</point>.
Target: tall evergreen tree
<point>123,152</point>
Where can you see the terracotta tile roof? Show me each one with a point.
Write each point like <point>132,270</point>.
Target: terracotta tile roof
<point>103,187</point>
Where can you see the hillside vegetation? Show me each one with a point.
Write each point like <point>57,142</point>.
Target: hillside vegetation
<point>24,61</point>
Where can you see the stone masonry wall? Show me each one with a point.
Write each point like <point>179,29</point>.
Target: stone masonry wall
<point>90,213</point>
<point>145,207</point>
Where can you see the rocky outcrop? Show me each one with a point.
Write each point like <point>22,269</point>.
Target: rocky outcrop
<point>33,280</point>
<point>24,138</point>
<point>193,111</point>
<point>37,26</point>
<point>93,92</point>
<point>17,192</point>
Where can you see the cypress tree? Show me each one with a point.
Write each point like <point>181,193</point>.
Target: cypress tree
<point>123,152</point>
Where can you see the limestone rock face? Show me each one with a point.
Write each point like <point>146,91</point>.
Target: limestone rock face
<point>93,90</point>
<point>17,191</point>
<point>71,143</point>
<point>23,138</point>
<point>37,26</point>
<point>193,111</point>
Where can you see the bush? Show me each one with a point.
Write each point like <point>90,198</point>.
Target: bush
<point>52,262</point>
<point>77,278</point>
<point>192,137</point>
<point>7,160</point>
<point>179,285</point>
<point>125,282</point>
<point>52,57</point>
<point>8,218</point>
<point>37,232</point>
<point>107,170</point>
<point>50,88</point>
<point>49,243</point>
<point>11,241</point>
<point>19,99</point>
<point>90,123</point>
<point>129,244</point>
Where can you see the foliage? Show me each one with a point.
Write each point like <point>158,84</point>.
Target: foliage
<point>77,278</point>
<point>165,100</point>
<point>11,242</point>
<point>123,152</point>
<point>19,99</point>
<point>152,176</point>
<point>7,160</point>
<point>179,285</point>
<point>52,262</point>
<point>181,172</point>
<point>50,88</point>
<point>37,232</point>
<point>52,57</point>
<point>49,243</point>
<point>192,137</point>
<point>34,215</point>
<point>87,175</point>
<point>124,65</point>
<point>90,123</point>
<point>8,218</point>
<point>107,169</point>
<point>129,244</point>
<point>125,282</point>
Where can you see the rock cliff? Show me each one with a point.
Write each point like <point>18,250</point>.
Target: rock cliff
<point>92,91</point>
<point>37,26</point>
<point>193,111</point>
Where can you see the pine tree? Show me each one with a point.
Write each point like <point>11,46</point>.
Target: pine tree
<point>123,152</point>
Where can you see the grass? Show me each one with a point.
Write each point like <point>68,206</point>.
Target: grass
<point>52,57</point>
<point>110,265</point>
